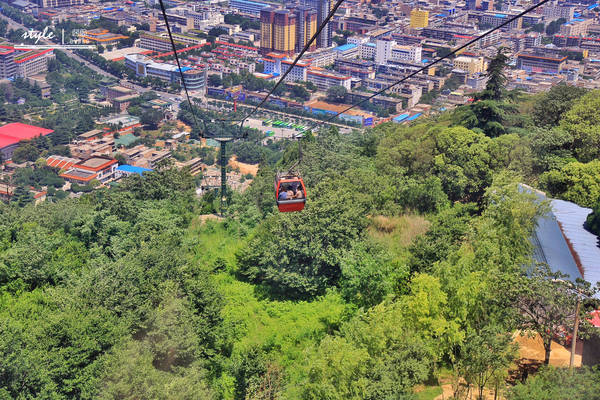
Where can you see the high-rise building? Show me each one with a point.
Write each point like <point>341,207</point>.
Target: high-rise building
<point>278,31</point>
<point>306,27</point>
<point>383,50</point>
<point>267,17</point>
<point>419,18</point>
<point>322,7</point>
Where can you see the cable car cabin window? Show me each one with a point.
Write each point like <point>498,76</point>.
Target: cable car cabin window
<point>291,194</point>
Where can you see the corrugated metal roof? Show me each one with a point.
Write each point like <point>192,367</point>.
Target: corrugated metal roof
<point>571,218</point>
<point>561,241</point>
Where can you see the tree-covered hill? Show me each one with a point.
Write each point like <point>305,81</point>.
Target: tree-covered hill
<point>409,263</point>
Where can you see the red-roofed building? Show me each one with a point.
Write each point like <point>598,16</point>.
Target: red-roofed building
<point>97,167</point>
<point>61,162</point>
<point>12,134</point>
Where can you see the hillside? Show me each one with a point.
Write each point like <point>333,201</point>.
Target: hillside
<point>406,266</point>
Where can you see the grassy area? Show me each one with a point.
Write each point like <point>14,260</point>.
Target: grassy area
<point>286,327</point>
<point>397,233</point>
<point>429,393</point>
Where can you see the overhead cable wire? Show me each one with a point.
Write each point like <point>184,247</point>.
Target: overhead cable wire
<point>164,13</point>
<point>296,60</point>
<point>469,43</point>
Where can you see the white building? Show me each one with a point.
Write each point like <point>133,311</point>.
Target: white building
<point>326,79</point>
<point>367,50</point>
<point>407,53</point>
<point>383,52</point>
<point>298,73</point>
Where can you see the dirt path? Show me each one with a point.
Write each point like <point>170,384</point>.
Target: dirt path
<point>531,357</point>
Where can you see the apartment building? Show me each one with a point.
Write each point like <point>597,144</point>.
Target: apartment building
<point>471,65</point>
<point>31,63</point>
<point>325,79</point>
<point>278,31</point>
<point>576,27</point>
<point>419,18</point>
<point>248,7</point>
<point>534,63</point>
<point>157,42</point>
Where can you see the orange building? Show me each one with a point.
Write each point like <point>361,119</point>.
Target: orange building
<point>278,31</point>
<point>101,36</point>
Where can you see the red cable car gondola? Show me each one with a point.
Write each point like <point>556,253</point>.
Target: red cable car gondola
<point>290,193</point>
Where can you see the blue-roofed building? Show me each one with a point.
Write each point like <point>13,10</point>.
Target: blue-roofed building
<point>400,118</point>
<point>126,170</point>
<point>346,50</point>
<point>344,47</point>
<point>561,241</point>
<point>413,117</point>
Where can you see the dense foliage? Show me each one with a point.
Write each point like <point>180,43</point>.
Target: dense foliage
<point>412,259</point>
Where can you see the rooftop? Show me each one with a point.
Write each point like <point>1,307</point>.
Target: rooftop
<point>15,132</point>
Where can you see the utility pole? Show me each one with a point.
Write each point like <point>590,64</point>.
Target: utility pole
<point>223,161</point>
<point>575,329</point>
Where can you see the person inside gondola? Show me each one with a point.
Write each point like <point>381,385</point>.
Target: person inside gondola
<point>283,194</point>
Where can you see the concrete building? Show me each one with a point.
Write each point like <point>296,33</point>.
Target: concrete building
<point>383,51</point>
<point>32,63</point>
<point>99,168</point>
<point>156,42</point>
<point>367,50</point>
<point>419,18</point>
<point>306,27</point>
<point>472,65</point>
<point>58,3</point>
<point>298,73</point>
<point>555,11</point>
<point>406,53</point>
<point>575,27</point>
<point>101,37</point>
<point>324,79</point>
<point>23,63</point>
<point>322,7</point>
<point>8,68</point>
<point>535,63</point>
<point>278,31</point>
<point>195,78</point>
<point>248,7</point>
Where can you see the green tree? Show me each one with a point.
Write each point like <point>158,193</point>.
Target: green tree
<point>337,94</point>
<point>495,86</point>
<point>214,80</point>
<point>558,383</point>
<point>576,182</point>
<point>25,152</point>
<point>592,223</point>
<point>300,258</point>
<point>550,107</point>
<point>151,118</point>
<point>546,303</point>
<point>582,122</point>
<point>484,354</point>
<point>21,196</point>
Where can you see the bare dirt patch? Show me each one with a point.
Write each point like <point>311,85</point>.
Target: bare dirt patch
<point>243,167</point>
